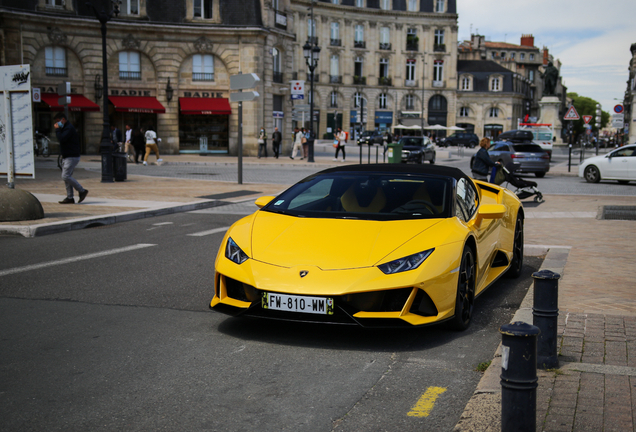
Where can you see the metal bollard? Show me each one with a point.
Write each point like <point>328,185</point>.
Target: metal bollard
<point>545,315</point>
<point>519,377</point>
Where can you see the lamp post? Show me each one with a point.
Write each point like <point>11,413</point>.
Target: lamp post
<point>105,147</point>
<point>311,51</point>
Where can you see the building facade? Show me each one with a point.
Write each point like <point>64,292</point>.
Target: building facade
<point>630,98</point>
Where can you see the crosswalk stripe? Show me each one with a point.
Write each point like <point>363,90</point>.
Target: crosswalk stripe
<point>208,232</point>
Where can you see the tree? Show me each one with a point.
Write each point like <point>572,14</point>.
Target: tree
<point>586,106</point>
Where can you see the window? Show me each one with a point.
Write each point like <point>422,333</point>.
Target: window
<point>359,33</point>
<point>357,99</point>
<point>311,28</point>
<point>384,68</point>
<point>409,101</point>
<point>385,4</point>
<point>203,9</point>
<point>439,37</point>
<point>466,83</point>
<point>382,100</point>
<point>438,70</point>
<point>411,39</point>
<point>494,112</point>
<point>412,6</point>
<point>55,3</point>
<point>335,33</point>
<point>276,63</point>
<point>531,75</point>
<point>203,67</point>
<point>512,56</point>
<point>360,3</point>
<point>493,54</point>
<point>333,66</point>
<point>334,99</point>
<point>440,6</point>
<point>464,112</point>
<point>531,57</point>
<point>357,67</point>
<point>130,7</point>
<point>129,65</point>
<point>522,56</point>
<point>495,84</point>
<point>410,70</point>
<point>275,5</point>
<point>335,2</point>
<point>466,200</point>
<point>385,35</point>
<point>55,61</point>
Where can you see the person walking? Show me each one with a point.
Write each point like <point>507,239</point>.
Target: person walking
<point>138,143</point>
<point>307,135</point>
<point>340,138</point>
<point>277,137</point>
<point>262,143</point>
<point>115,137</point>
<point>70,150</point>
<point>151,145</point>
<point>483,164</point>
<point>128,144</point>
<point>298,137</point>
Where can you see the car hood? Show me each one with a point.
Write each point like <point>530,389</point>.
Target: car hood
<point>329,244</point>
<point>594,159</point>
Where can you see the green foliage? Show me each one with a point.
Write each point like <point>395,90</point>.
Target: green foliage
<point>586,106</point>
<point>481,367</point>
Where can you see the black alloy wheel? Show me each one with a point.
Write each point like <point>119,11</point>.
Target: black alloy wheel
<point>514,271</point>
<point>592,174</point>
<point>465,291</point>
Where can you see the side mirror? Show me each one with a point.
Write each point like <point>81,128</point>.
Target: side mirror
<point>263,201</point>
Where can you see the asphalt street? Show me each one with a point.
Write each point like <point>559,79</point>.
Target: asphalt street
<point>109,329</point>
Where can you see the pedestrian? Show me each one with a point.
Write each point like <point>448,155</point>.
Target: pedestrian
<point>70,150</point>
<point>298,136</point>
<point>151,145</point>
<point>483,164</point>
<point>277,137</point>
<point>262,143</point>
<point>128,145</point>
<point>139,144</point>
<point>307,135</point>
<point>115,137</point>
<point>340,140</point>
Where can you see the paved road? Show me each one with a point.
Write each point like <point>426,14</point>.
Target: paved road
<point>109,330</point>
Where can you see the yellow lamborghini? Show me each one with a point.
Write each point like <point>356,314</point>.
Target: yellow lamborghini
<point>373,245</point>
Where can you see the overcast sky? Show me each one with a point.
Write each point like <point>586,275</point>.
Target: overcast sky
<point>591,38</point>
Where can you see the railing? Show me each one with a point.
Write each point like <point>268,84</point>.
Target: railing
<point>386,81</point>
<point>281,20</point>
<point>335,79</point>
<point>439,47</point>
<point>57,72</point>
<point>278,77</point>
<point>385,46</point>
<point>130,76</point>
<point>312,40</point>
<point>200,76</point>
<point>335,42</point>
<point>359,44</point>
<point>360,80</point>
<point>411,46</point>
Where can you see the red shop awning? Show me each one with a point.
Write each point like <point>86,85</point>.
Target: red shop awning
<point>205,106</point>
<point>137,104</point>
<point>78,102</point>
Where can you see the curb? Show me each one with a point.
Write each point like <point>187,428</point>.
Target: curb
<point>108,219</point>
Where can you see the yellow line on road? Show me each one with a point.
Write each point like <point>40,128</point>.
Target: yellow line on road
<point>425,405</point>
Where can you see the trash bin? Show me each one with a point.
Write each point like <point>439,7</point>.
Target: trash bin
<point>394,152</point>
<point>120,166</point>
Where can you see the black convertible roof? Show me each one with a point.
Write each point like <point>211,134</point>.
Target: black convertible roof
<point>434,170</point>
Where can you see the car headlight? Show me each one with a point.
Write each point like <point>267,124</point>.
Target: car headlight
<point>405,264</point>
<point>234,253</point>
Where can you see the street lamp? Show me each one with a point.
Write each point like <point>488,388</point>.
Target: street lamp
<point>106,147</point>
<point>311,51</point>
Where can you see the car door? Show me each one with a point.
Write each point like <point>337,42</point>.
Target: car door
<point>631,163</point>
<point>618,164</point>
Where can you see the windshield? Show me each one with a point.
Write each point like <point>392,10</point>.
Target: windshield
<point>367,196</point>
<point>411,141</point>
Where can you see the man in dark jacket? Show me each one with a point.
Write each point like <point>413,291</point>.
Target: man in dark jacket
<point>277,137</point>
<point>70,149</point>
<point>115,137</point>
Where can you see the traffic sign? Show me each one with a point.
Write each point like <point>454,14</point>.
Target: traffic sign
<point>297,96</point>
<point>571,114</point>
<point>618,108</point>
<point>37,96</point>
<point>297,88</point>
<point>587,119</point>
<point>243,96</point>
<point>244,81</point>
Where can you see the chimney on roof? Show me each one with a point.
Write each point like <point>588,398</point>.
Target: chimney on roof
<point>476,41</point>
<point>527,40</point>
<point>546,56</point>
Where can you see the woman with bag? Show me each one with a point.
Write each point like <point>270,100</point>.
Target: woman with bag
<point>262,142</point>
<point>151,145</point>
<point>339,144</point>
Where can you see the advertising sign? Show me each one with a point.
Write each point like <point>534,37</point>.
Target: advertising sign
<point>16,122</point>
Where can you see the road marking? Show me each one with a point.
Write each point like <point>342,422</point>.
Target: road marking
<point>208,232</point>
<point>74,259</point>
<point>425,405</point>
<point>163,223</point>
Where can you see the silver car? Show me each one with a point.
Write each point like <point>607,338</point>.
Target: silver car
<point>526,157</point>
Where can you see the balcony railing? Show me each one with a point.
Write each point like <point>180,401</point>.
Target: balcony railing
<point>136,76</point>
<point>410,83</point>
<point>335,79</point>
<point>335,42</point>
<point>56,72</point>
<point>385,46</point>
<point>278,77</point>
<point>281,20</point>
<point>360,80</point>
<point>200,76</point>
<point>439,84</point>
<point>385,81</point>
<point>312,40</point>
<point>439,47</point>
<point>359,44</point>
<point>411,46</point>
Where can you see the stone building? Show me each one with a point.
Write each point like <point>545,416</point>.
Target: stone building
<point>395,58</point>
<point>169,65</point>
<point>630,99</point>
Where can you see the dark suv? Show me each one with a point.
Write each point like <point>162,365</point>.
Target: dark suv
<point>460,138</point>
<point>516,136</point>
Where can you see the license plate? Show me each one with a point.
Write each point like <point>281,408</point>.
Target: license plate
<point>294,303</point>
<point>533,159</point>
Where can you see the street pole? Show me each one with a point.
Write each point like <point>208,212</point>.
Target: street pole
<point>312,66</point>
<point>423,84</point>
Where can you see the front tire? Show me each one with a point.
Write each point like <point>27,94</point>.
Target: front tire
<point>514,271</point>
<point>592,174</point>
<point>539,174</point>
<point>465,299</point>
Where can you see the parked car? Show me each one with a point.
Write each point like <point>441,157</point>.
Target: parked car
<point>417,149</point>
<point>540,137</point>
<point>516,136</point>
<point>528,157</point>
<point>619,164</point>
<point>460,138</point>
<point>371,138</point>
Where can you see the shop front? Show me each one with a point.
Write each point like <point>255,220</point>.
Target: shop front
<point>139,112</point>
<point>48,108</point>
<point>383,120</point>
<point>492,130</point>
<point>204,125</point>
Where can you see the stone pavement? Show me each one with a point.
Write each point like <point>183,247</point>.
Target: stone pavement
<point>593,389</point>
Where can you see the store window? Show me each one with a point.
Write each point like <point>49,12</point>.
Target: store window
<point>202,67</point>
<point>55,61</point>
<point>129,65</point>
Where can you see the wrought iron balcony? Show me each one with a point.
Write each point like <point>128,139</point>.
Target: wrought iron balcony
<point>335,79</point>
<point>439,47</point>
<point>198,76</point>
<point>133,76</point>
<point>385,81</point>
<point>411,46</point>
<point>56,72</point>
<point>385,46</point>
<point>278,77</point>
<point>359,80</point>
<point>335,42</point>
<point>359,44</point>
<point>312,40</point>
